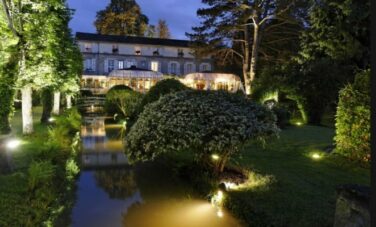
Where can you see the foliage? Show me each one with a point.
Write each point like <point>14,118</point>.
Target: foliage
<point>40,173</point>
<point>42,183</point>
<point>123,100</point>
<point>283,116</point>
<point>339,30</point>
<point>121,17</point>
<point>162,88</point>
<point>353,119</point>
<point>313,85</point>
<point>242,30</point>
<point>199,121</point>
<point>163,31</point>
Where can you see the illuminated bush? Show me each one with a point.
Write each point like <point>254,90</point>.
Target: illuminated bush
<point>123,100</point>
<point>353,119</point>
<point>204,122</point>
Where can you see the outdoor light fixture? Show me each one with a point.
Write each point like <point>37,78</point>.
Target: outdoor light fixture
<point>220,213</point>
<point>51,119</point>
<point>299,123</point>
<point>316,156</point>
<point>215,157</point>
<point>230,185</point>
<point>13,144</point>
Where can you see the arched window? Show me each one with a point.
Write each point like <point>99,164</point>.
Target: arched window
<point>189,68</point>
<point>174,68</point>
<point>204,67</point>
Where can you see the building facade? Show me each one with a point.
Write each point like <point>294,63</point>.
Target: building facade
<point>140,62</point>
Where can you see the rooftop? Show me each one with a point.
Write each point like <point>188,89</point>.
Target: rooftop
<point>81,36</point>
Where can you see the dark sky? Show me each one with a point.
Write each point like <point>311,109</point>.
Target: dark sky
<point>179,14</point>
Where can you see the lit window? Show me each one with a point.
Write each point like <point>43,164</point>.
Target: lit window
<point>154,66</point>
<point>121,65</point>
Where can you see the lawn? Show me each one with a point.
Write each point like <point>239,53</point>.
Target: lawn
<point>303,190</point>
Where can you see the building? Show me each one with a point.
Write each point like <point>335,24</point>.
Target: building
<point>140,62</point>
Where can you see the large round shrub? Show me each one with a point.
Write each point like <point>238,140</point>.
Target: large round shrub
<point>353,119</point>
<point>123,100</point>
<point>162,88</point>
<point>204,122</point>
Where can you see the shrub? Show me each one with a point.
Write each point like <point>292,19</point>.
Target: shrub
<point>283,116</point>
<point>162,88</point>
<point>353,119</point>
<point>204,122</point>
<point>40,173</point>
<point>123,100</point>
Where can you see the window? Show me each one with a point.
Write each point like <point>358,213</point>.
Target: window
<point>205,67</point>
<point>173,68</point>
<point>121,65</point>
<point>89,65</point>
<point>111,65</point>
<point>154,66</point>
<point>189,68</point>
<point>137,51</point>
<point>88,47</point>
<point>180,53</point>
<point>115,48</point>
<point>129,63</point>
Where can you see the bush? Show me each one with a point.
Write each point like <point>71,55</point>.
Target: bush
<point>283,116</point>
<point>353,119</point>
<point>162,88</point>
<point>123,100</point>
<point>205,122</point>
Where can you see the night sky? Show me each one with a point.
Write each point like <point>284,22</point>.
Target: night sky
<point>179,14</point>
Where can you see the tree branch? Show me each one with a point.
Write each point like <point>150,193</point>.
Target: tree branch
<point>9,18</point>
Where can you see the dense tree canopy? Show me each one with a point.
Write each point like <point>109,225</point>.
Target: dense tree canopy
<point>237,29</point>
<point>203,122</point>
<point>122,17</point>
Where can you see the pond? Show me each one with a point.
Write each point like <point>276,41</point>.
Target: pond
<point>110,192</point>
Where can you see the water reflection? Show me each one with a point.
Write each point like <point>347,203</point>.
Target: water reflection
<point>102,145</point>
<point>112,193</point>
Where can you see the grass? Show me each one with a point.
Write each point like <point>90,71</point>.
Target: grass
<point>303,190</point>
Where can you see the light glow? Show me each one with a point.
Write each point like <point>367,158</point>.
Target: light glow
<point>13,144</point>
<point>299,123</point>
<point>316,156</point>
<point>51,119</point>
<point>230,185</point>
<point>220,213</point>
<point>215,157</point>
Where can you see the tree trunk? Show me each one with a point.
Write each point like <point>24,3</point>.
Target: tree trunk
<point>47,105</point>
<point>69,101</point>
<point>56,107</point>
<point>247,85</point>
<point>27,112</point>
<point>255,54</point>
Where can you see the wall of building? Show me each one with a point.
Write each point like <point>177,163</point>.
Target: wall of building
<point>99,55</point>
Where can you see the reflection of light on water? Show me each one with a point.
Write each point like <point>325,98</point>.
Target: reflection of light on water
<point>189,213</point>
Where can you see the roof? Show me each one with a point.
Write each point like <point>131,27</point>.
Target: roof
<point>135,73</point>
<point>81,36</point>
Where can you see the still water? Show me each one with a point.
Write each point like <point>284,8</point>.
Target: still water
<point>111,193</point>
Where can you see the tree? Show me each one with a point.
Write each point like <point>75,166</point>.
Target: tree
<point>353,119</point>
<point>162,88</point>
<point>203,122</point>
<point>338,30</point>
<point>39,30</point>
<point>151,31</point>
<point>121,17</point>
<point>237,28</point>
<point>124,99</point>
<point>163,31</point>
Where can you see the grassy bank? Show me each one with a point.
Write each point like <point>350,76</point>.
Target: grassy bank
<point>36,190</point>
<point>302,189</point>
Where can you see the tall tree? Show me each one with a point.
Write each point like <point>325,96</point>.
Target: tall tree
<point>151,31</point>
<point>163,31</point>
<point>121,17</point>
<point>37,26</point>
<point>237,28</point>
<point>339,30</point>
